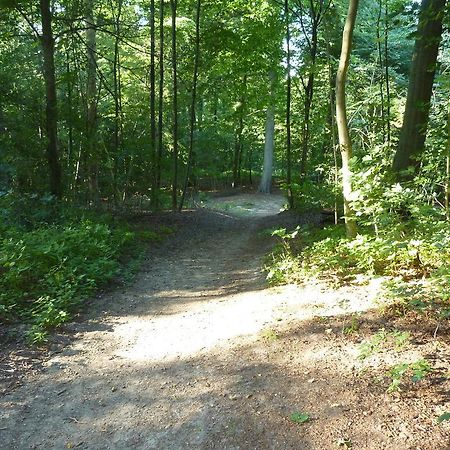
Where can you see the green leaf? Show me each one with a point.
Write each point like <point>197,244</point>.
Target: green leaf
<point>442,417</point>
<point>298,417</point>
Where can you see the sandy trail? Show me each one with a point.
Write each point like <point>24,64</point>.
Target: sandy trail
<point>198,353</point>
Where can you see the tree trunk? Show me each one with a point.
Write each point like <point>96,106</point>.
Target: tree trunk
<point>288,108</point>
<point>160,100</point>
<point>447,172</point>
<point>153,155</point>
<point>345,143</point>
<point>91,100</point>
<point>238,137</point>
<point>193,101</point>
<point>173,4</point>
<point>415,121</point>
<point>309,94</point>
<point>386,71</point>
<point>51,111</point>
<point>117,92</point>
<point>266,179</point>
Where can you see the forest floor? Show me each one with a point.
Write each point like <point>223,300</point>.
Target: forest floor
<point>199,353</point>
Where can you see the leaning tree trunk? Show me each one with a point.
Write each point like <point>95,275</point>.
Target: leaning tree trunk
<point>266,179</point>
<point>415,121</point>
<point>345,143</point>
<point>51,111</point>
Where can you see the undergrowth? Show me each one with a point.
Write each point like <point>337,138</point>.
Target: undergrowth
<point>414,257</point>
<point>53,257</point>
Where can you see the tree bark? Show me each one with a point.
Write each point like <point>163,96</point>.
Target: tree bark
<point>173,4</point>
<point>91,100</point>
<point>153,155</point>
<point>288,107</point>
<point>51,111</point>
<point>265,185</point>
<point>160,100</point>
<point>193,101</point>
<point>415,121</point>
<point>345,143</point>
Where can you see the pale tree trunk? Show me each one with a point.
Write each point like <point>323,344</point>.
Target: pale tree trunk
<point>412,136</point>
<point>345,143</point>
<point>51,110</point>
<point>160,101</point>
<point>91,100</point>
<point>266,180</point>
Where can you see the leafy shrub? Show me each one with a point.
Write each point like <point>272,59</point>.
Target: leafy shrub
<point>48,271</point>
<point>52,257</point>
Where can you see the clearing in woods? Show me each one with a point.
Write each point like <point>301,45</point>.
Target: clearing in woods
<point>199,353</point>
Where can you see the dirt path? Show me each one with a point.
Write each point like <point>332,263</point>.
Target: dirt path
<point>198,353</point>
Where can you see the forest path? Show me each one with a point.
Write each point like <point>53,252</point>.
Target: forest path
<point>198,353</point>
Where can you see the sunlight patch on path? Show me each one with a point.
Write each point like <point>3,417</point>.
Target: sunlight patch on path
<point>198,328</point>
<point>249,205</point>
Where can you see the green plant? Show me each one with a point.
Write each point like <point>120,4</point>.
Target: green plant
<point>300,418</point>
<point>383,340</point>
<point>443,417</point>
<point>353,327</point>
<point>417,371</point>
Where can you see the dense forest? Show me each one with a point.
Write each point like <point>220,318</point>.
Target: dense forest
<point>126,105</point>
<point>120,119</point>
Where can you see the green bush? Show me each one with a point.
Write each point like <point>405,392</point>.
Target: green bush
<point>48,271</point>
<point>53,256</point>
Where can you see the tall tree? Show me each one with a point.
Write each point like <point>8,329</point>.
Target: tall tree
<point>288,105</point>
<point>51,110</point>
<point>153,154</point>
<point>173,4</point>
<point>159,152</point>
<point>415,121</point>
<point>345,143</point>
<point>265,185</point>
<point>91,100</point>
<point>193,101</point>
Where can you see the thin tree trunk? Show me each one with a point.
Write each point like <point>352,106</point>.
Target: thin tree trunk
<point>266,179</point>
<point>380,61</point>
<point>288,108</point>
<point>415,122</point>
<point>153,155</point>
<point>51,111</point>
<point>69,121</point>
<point>386,70</point>
<point>117,105</point>
<point>238,146</point>
<point>91,100</point>
<point>193,101</point>
<point>161,99</point>
<point>309,94</point>
<point>345,143</point>
<point>447,180</point>
<point>173,4</point>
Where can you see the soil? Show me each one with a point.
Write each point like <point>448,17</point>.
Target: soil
<point>199,353</point>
